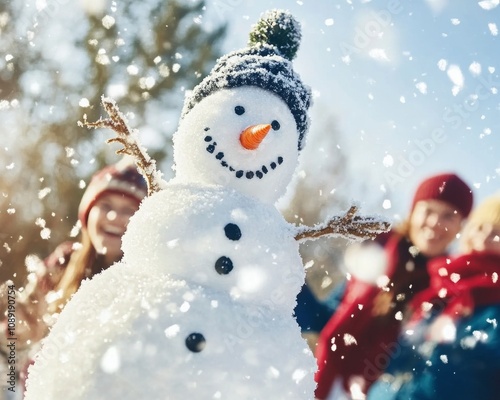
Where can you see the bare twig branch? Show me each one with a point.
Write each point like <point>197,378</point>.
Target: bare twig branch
<point>349,226</point>
<point>127,137</point>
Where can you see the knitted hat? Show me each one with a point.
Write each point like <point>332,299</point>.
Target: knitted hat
<point>487,212</point>
<point>266,63</point>
<point>122,178</point>
<point>448,188</point>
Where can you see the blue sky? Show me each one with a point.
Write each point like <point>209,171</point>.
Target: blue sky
<point>413,87</point>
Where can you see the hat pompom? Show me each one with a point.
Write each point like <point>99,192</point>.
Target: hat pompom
<point>280,29</point>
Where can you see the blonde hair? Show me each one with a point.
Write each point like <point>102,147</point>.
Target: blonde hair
<point>84,262</point>
<point>488,212</point>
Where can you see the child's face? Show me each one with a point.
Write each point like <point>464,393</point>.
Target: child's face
<point>484,237</point>
<point>107,221</point>
<point>434,225</point>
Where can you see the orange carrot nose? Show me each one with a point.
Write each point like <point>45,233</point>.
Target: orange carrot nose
<point>252,136</point>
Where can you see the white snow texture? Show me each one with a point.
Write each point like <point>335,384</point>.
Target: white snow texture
<point>123,335</point>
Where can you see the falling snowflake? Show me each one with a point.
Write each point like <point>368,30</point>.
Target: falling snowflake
<point>34,264</point>
<point>379,55</point>
<point>102,58</point>
<point>45,233</point>
<point>70,152</point>
<point>172,331</point>
<point>346,59</point>
<point>493,28</point>
<point>40,222</point>
<point>422,87</point>
<point>84,102</point>
<point>388,161</point>
<point>475,68</point>
<point>442,64</point>
<point>455,74</point>
<point>132,70</point>
<point>492,321</point>
<point>349,339</point>
<point>108,21</point>
<point>488,4</point>
<point>43,193</point>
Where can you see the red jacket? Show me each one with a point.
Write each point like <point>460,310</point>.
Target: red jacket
<point>359,340</point>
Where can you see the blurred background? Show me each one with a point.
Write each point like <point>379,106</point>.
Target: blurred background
<point>402,90</point>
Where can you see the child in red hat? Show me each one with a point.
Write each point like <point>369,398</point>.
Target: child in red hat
<point>449,348</point>
<point>357,342</point>
<point>111,198</point>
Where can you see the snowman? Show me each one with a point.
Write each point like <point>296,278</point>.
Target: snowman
<point>200,306</point>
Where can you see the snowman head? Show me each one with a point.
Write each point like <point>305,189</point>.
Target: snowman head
<point>245,123</point>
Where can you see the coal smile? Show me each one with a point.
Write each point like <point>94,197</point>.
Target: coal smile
<point>239,173</point>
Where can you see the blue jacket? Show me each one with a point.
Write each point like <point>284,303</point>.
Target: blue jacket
<point>466,368</point>
<point>311,314</point>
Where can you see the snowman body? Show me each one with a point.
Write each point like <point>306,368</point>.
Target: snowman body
<point>172,322</point>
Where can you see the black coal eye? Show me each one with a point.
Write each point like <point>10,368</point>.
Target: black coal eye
<point>275,125</point>
<point>224,265</point>
<point>195,342</point>
<point>232,231</point>
<point>239,110</point>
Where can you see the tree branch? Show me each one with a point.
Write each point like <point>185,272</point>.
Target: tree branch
<point>349,226</point>
<point>127,137</point>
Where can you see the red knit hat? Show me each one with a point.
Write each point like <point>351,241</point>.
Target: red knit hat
<point>122,178</point>
<point>448,188</point>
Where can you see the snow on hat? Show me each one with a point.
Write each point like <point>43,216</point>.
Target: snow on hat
<point>122,178</point>
<point>487,212</point>
<point>448,188</point>
<point>266,63</point>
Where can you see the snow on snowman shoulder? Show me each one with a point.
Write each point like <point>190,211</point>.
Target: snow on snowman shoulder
<point>201,304</point>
